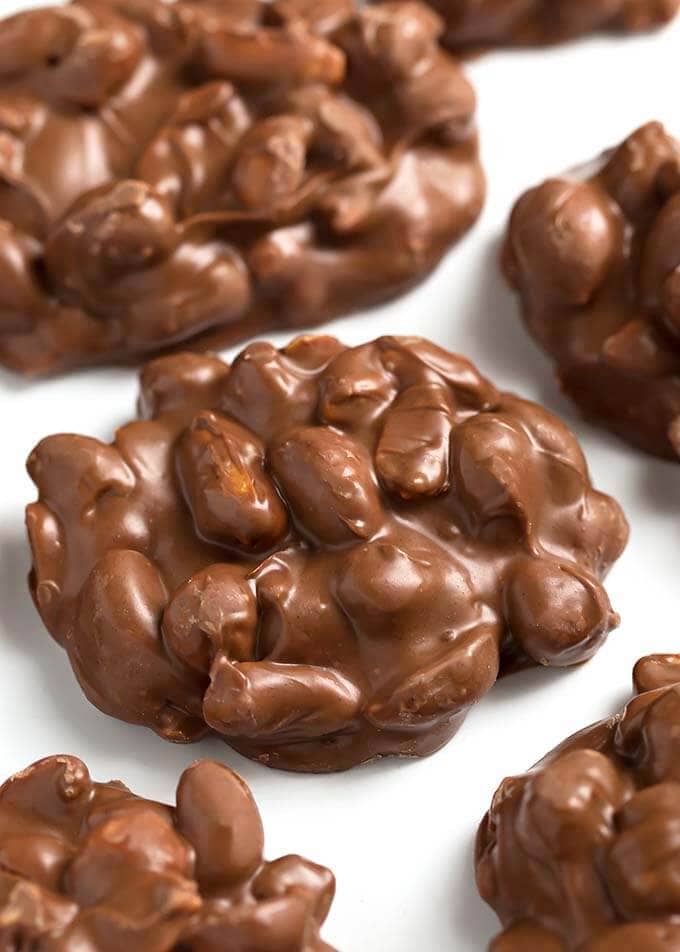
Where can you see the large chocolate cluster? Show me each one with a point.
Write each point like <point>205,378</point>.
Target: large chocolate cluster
<point>595,256</point>
<point>475,23</point>
<point>91,866</point>
<point>581,853</point>
<point>322,554</point>
<point>169,170</point>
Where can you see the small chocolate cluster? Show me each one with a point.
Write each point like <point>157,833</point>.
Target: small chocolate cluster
<point>179,170</point>
<point>595,256</point>
<point>87,865</point>
<point>581,854</point>
<point>481,23</point>
<point>322,554</point>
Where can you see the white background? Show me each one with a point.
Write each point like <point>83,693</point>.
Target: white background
<point>397,835</point>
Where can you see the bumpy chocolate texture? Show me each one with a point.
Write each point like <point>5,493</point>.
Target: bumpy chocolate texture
<point>595,256</point>
<point>480,23</point>
<point>323,554</point>
<point>202,168</point>
<point>90,867</point>
<point>581,854</point>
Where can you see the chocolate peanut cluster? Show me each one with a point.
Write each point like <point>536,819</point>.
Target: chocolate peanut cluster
<point>322,554</point>
<point>91,866</point>
<point>595,256</point>
<point>580,854</point>
<point>480,23</point>
<point>171,170</point>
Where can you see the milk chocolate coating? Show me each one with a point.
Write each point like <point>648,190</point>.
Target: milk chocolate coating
<point>90,867</point>
<point>322,554</point>
<point>595,256</point>
<point>656,671</point>
<point>582,853</point>
<point>483,23</point>
<point>203,170</point>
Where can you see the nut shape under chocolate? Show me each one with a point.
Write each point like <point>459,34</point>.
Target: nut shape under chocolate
<point>595,257</point>
<point>582,853</point>
<point>475,23</point>
<point>87,865</point>
<point>197,170</point>
<point>322,554</point>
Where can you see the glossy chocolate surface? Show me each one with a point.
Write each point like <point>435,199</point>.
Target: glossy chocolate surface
<point>323,554</point>
<point>90,867</point>
<point>580,854</point>
<point>595,256</point>
<point>203,170</point>
<point>481,23</point>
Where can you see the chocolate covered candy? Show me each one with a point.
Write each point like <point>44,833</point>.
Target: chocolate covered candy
<point>322,554</point>
<point>91,866</point>
<point>595,257</point>
<point>474,23</point>
<point>202,170</point>
<point>580,853</point>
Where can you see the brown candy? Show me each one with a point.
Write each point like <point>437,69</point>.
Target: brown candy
<point>198,171</point>
<point>322,554</point>
<point>595,258</point>
<point>88,865</point>
<point>481,23</point>
<point>581,853</point>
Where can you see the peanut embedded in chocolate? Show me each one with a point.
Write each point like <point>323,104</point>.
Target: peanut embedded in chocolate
<point>482,23</point>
